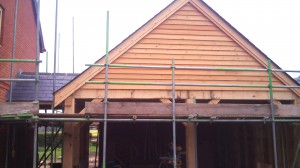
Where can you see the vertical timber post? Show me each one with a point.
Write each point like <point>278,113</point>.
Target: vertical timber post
<point>191,141</point>
<point>174,114</point>
<point>69,134</point>
<point>105,95</point>
<point>272,115</point>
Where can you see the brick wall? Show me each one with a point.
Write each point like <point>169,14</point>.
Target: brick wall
<point>25,40</point>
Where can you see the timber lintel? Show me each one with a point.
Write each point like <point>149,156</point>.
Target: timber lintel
<point>19,108</point>
<point>186,109</point>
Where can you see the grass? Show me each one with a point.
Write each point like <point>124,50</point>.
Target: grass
<point>92,149</point>
<point>41,152</point>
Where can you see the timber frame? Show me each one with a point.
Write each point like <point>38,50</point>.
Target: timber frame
<point>87,75</point>
<point>94,97</point>
<point>163,92</point>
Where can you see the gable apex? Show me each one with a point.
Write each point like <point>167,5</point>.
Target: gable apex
<point>148,31</point>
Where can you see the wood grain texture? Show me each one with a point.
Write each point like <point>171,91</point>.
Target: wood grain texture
<point>183,94</point>
<point>18,108</point>
<point>192,34</point>
<point>187,109</point>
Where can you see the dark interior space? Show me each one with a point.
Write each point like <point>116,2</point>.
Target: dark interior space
<point>247,145</point>
<point>137,145</point>
<point>18,141</point>
<point>220,145</point>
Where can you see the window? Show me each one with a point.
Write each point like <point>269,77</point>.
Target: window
<point>1,20</point>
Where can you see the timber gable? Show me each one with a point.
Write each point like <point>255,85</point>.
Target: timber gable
<point>195,36</point>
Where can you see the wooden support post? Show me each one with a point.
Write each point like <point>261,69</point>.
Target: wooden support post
<point>277,102</point>
<point>69,144</point>
<point>75,145</point>
<point>70,105</point>
<point>297,101</point>
<point>191,145</point>
<point>191,142</point>
<point>214,101</point>
<point>165,100</point>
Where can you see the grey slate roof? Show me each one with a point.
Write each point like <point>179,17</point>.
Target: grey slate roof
<point>298,79</point>
<point>25,91</point>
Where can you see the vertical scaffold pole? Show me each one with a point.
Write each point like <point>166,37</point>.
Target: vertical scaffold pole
<point>174,114</point>
<point>54,81</point>
<point>36,93</point>
<point>73,39</point>
<point>58,49</point>
<point>46,61</point>
<point>272,114</point>
<point>13,48</point>
<point>105,94</point>
<point>37,67</point>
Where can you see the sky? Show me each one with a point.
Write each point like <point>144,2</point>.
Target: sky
<point>272,25</point>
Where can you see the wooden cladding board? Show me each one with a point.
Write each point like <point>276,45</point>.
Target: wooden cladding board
<point>186,109</point>
<point>18,108</point>
<point>192,40</point>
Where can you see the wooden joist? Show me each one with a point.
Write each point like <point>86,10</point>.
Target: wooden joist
<point>186,109</point>
<point>18,108</point>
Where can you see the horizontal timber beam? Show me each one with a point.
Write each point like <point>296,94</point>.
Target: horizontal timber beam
<point>195,110</point>
<point>166,94</point>
<point>18,108</point>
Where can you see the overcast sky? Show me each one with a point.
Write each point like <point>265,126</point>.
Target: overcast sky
<point>272,25</point>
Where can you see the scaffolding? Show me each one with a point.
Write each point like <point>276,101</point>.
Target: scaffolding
<point>36,119</point>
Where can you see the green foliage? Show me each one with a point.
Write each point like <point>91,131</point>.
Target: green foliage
<point>41,139</point>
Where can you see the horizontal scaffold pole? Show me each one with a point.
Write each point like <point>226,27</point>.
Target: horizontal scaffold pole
<point>88,118</point>
<point>17,80</point>
<point>21,60</point>
<point>210,120</point>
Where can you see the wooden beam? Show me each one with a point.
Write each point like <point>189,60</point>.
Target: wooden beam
<point>94,101</point>
<point>19,108</point>
<point>167,94</point>
<point>184,110</point>
<point>214,101</point>
<point>287,110</point>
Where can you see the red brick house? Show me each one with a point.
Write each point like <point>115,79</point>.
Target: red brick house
<point>25,39</point>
